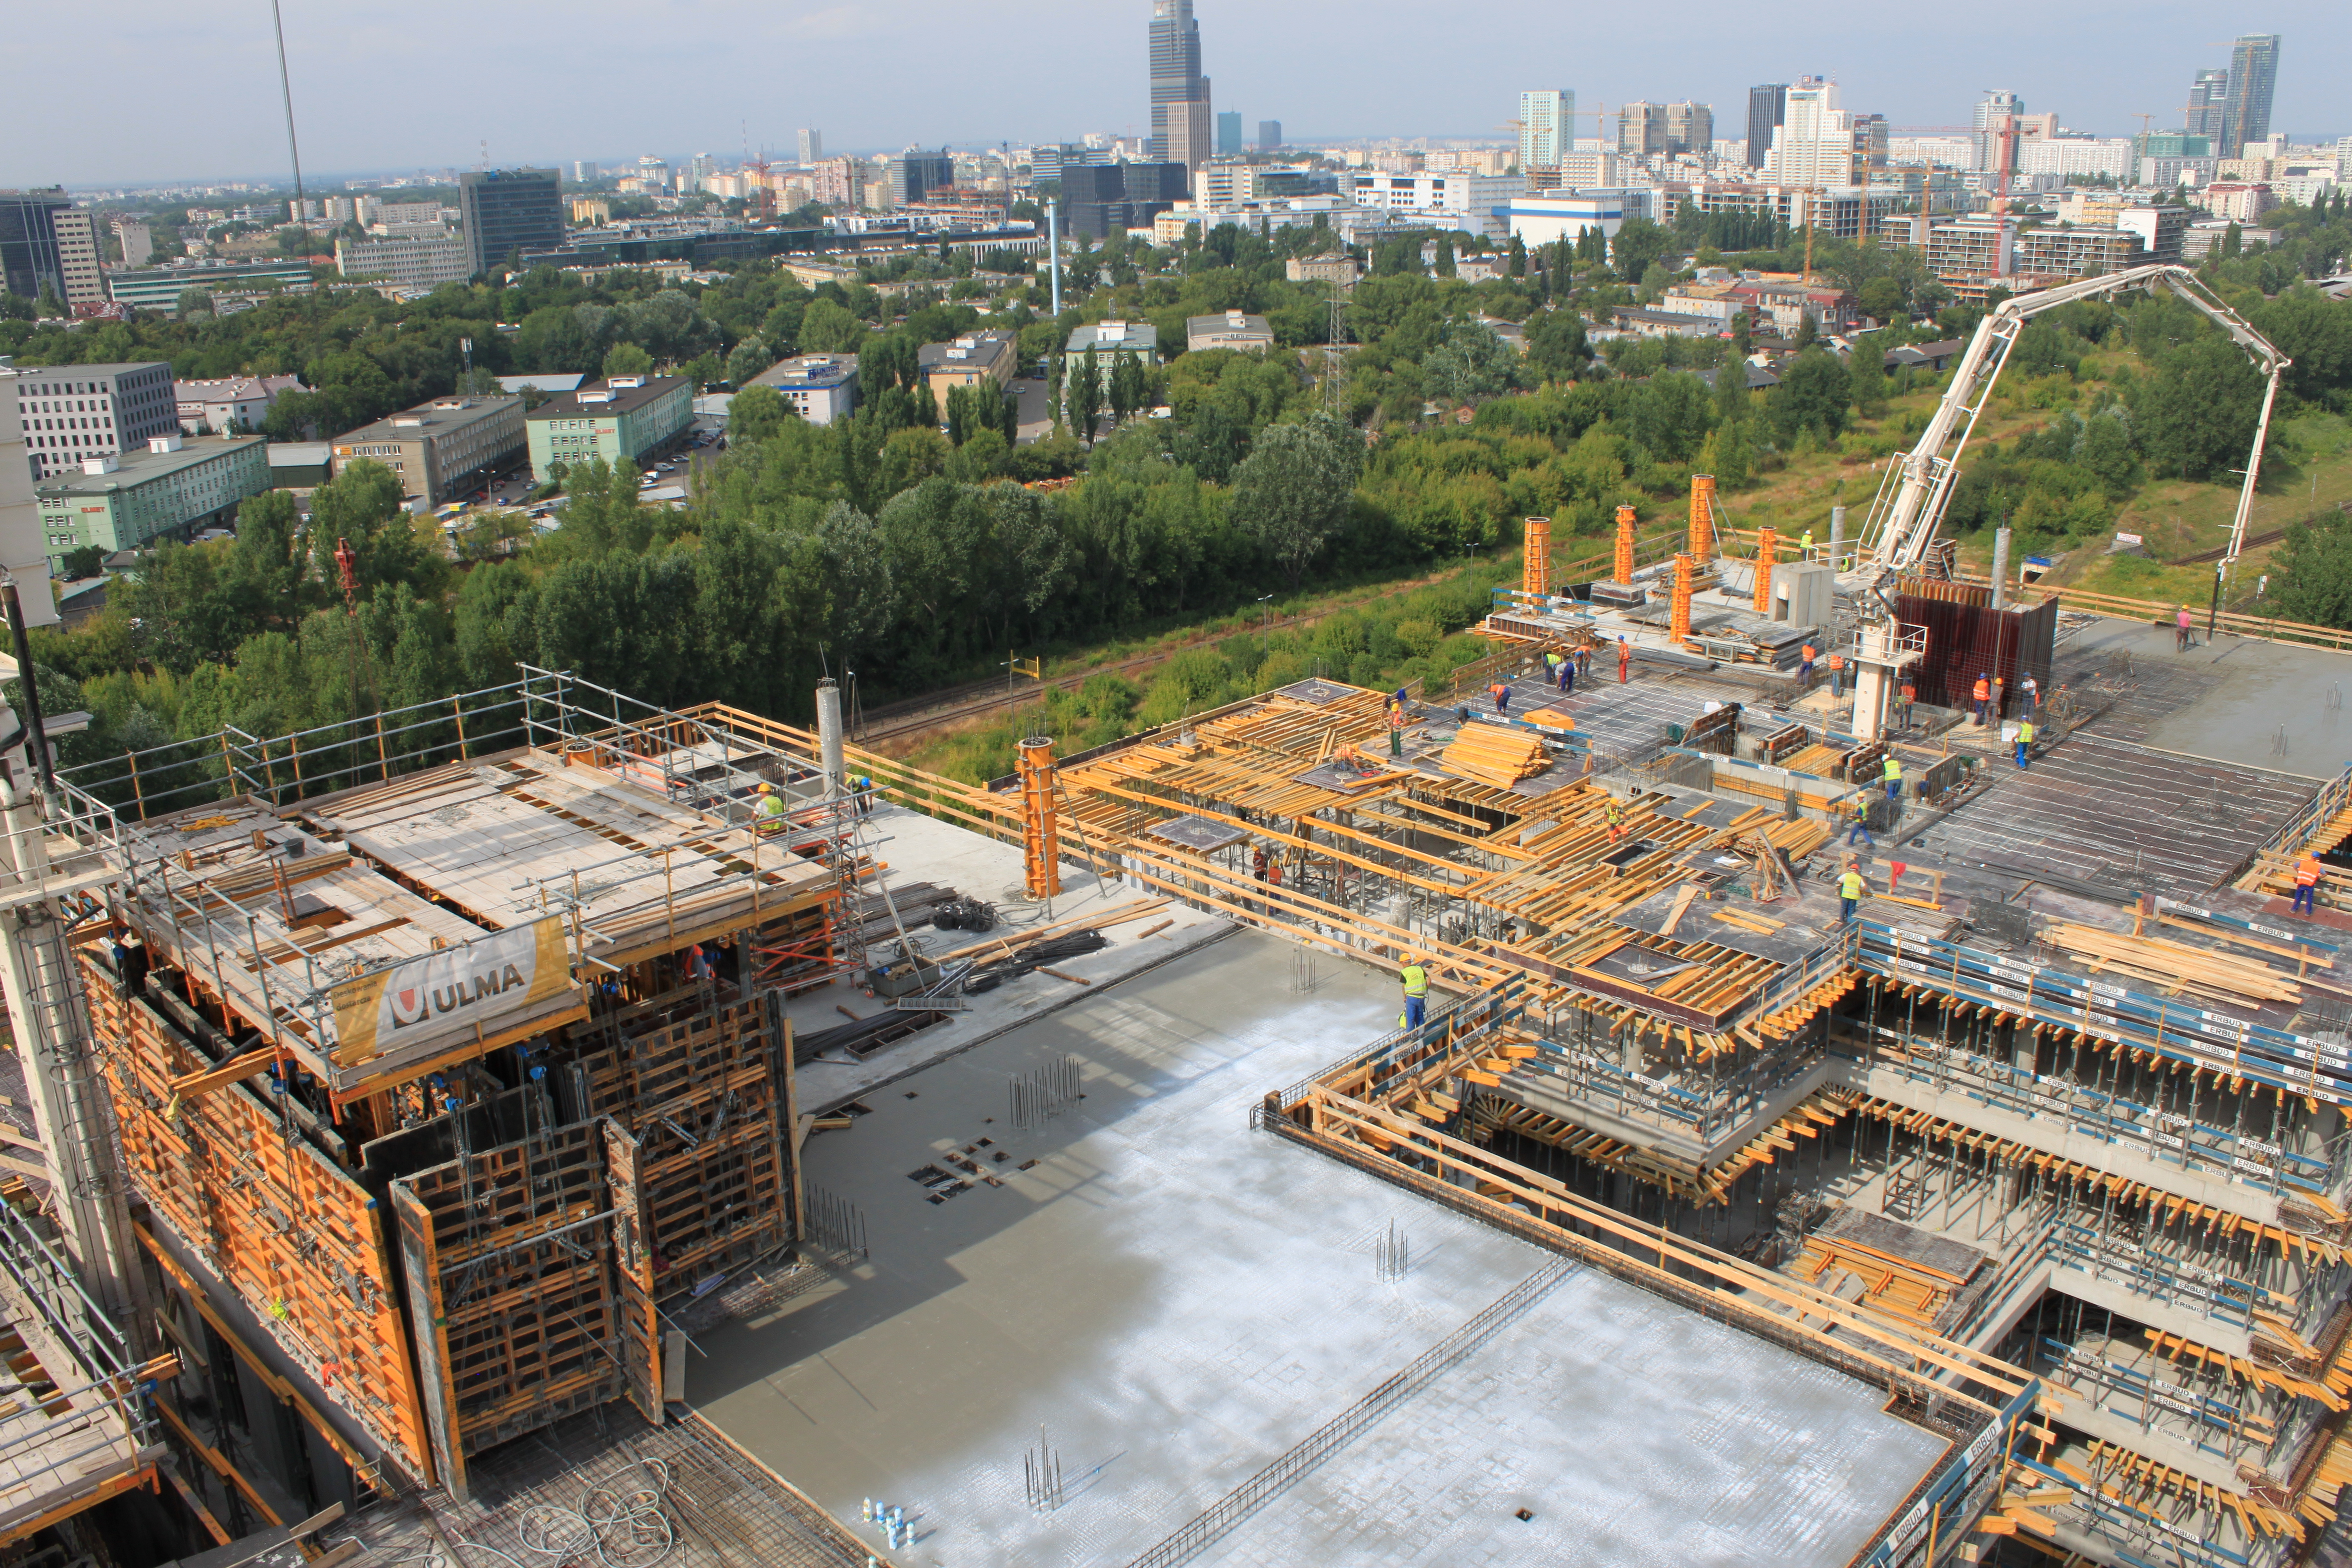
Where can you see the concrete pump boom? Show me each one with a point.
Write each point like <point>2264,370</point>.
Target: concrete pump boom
<point>1909,506</point>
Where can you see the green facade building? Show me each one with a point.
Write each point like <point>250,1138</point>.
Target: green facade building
<point>175,487</point>
<point>630,418</point>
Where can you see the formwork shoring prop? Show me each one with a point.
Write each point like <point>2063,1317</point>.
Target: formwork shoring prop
<point>1678,629</point>
<point>1535,559</point>
<point>1033,765</point>
<point>1702,516</point>
<point>1625,544</point>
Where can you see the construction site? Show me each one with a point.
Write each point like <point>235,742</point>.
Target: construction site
<point>1844,1127</point>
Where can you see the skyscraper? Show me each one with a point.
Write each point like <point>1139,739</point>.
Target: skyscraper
<point>2253,72</point>
<point>1229,133</point>
<point>1767,105</point>
<point>1179,93</point>
<point>812,145</point>
<point>1815,145</point>
<point>1640,129</point>
<point>1690,128</point>
<point>1269,135</point>
<point>508,210</point>
<point>2208,106</point>
<point>1547,129</point>
<point>1984,140</point>
<point>28,241</point>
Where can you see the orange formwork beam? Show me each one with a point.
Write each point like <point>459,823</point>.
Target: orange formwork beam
<point>1625,544</point>
<point>1535,558</point>
<point>1768,549</point>
<point>1033,763</point>
<point>1679,629</point>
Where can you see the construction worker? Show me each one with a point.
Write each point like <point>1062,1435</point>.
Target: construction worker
<point>1551,668</point>
<point>1624,658</point>
<point>1396,729</point>
<point>1805,667</point>
<point>1998,705</point>
<point>1809,544</point>
<point>1502,695</point>
<point>2031,690</point>
<point>1584,661</point>
<point>1416,990</point>
<point>1851,887</point>
<point>768,813</point>
<point>2024,740</point>
<point>1893,775</point>
<point>2307,872</point>
<point>1567,673</point>
<point>1860,817</point>
<point>864,794</point>
<point>1258,862</point>
<point>1910,694</point>
<point>1837,675</point>
<point>2180,631</point>
<point>1613,814</point>
<point>1983,694</point>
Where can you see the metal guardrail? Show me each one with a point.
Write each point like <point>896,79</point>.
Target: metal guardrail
<point>1203,1531</point>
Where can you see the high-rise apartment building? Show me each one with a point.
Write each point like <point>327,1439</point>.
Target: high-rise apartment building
<point>28,241</point>
<point>1690,127</point>
<point>1993,109</point>
<point>1547,130</point>
<point>1269,135</point>
<point>839,182</point>
<point>509,210</point>
<point>1815,145</point>
<point>583,171</point>
<point>1229,133</point>
<point>812,144</point>
<point>2208,108</point>
<point>81,257</point>
<point>1640,129</point>
<point>1767,105</point>
<point>1870,140</point>
<point>1179,93</point>
<point>918,176</point>
<point>2253,72</point>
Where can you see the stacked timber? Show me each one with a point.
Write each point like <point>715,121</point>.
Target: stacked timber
<point>1493,755</point>
<point>2176,964</point>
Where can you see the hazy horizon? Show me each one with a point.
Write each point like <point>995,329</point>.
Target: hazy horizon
<point>424,86</point>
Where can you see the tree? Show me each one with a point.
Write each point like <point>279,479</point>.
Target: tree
<point>1881,300</point>
<point>88,561</point>
<point>2198,417</point>
<point>748,358</point>
<point>627,359</point>
<point>1866,371</point>
<point>1516,266</point>
<point>827,327</point>
<point>2314,570</point>
<point>1557,348</point>
<point>1295,489</point>
<point>194,303</point>
<point>1638,244</point>
<point>756,414</point>
<point>1470,364</point>
<point>1813,394</point>
<point>1086,394</point>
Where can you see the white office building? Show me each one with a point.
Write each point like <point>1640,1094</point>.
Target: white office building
<point>1547,128</point>
<point>439,258</point>
<point>2068,156</point>
<point>1813,144</point>
<point>1479,204</point>
<point>1540,220</point>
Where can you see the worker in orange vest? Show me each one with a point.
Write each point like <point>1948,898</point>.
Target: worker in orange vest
<point>1837,675</point>
<point>1983,694</point>
<point>1805,668</point>
<point>2307,872</point>
<point>1624,658</point>
<point>1396,729</point>
<point>1502,696</point>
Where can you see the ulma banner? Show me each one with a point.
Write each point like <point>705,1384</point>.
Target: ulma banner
<point>480,985</point>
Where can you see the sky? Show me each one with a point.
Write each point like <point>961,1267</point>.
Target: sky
<point>433,84</point>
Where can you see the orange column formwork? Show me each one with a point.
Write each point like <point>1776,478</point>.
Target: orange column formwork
<point>1767,548</point>
<point>1033,762</point>
<point>1535,558</point>
<point>1679,629</point>
<point>1625,544</point>
<point>1702,516</point>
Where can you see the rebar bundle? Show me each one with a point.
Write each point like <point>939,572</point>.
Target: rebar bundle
<point>1045,1093</point>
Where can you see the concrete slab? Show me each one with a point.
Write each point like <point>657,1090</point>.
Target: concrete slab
<point>1176,1301</point>
<point>918,848</point>
<point>2237,699</point>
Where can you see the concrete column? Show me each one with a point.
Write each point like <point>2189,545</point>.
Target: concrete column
<point>2000,568</point>
<point>1837,534</point>
<point>828,733</point>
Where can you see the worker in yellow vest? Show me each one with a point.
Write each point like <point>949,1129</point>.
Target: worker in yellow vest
<point>2307,872</point>
<point>2024,740</point>
<point>768,815</point>
<point>1416,990</point>
<point>1893,776</point>
<point>1851,887</point>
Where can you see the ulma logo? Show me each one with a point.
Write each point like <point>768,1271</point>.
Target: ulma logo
<point>413,1004</point>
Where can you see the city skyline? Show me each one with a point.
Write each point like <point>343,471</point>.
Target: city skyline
<point>424,116</point>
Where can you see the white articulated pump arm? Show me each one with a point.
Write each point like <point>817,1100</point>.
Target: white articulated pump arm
<point>1910,504</point>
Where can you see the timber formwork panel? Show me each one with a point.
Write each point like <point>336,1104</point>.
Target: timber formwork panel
<point>302,1244</point>
<point>706,1097</point>
<point>529,1288</point>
